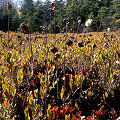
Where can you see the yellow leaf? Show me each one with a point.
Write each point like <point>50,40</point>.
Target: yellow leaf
<point>62,92</point>
<point>49,106</point>
<point>2,58</point>
<point>22,62</point>
<point>11,59</point>
<point>106,94</point>
<point>35,93</point>
<point>76,106</point>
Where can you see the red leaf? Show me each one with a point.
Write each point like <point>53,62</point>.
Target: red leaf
<point>5,103</point>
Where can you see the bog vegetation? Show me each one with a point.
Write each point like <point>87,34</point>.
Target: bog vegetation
<point>65,76</point>
<point>75,72</point>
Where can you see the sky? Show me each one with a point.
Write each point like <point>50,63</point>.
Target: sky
<point>20,0</point>
<point>18,5</point>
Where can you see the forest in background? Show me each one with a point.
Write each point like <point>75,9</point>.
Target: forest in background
<point>104,13</point>
<point>65,76</point>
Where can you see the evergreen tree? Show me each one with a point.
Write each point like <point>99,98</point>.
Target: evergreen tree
<point>27,10</point>
<point>13,18</point>
<point>102,12</point>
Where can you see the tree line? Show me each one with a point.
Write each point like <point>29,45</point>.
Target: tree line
<point>104,13</point>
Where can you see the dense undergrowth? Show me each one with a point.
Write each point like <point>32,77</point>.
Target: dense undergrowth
<point>63,76</point>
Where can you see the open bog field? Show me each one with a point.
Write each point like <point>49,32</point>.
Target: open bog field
<point>60,76</point>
